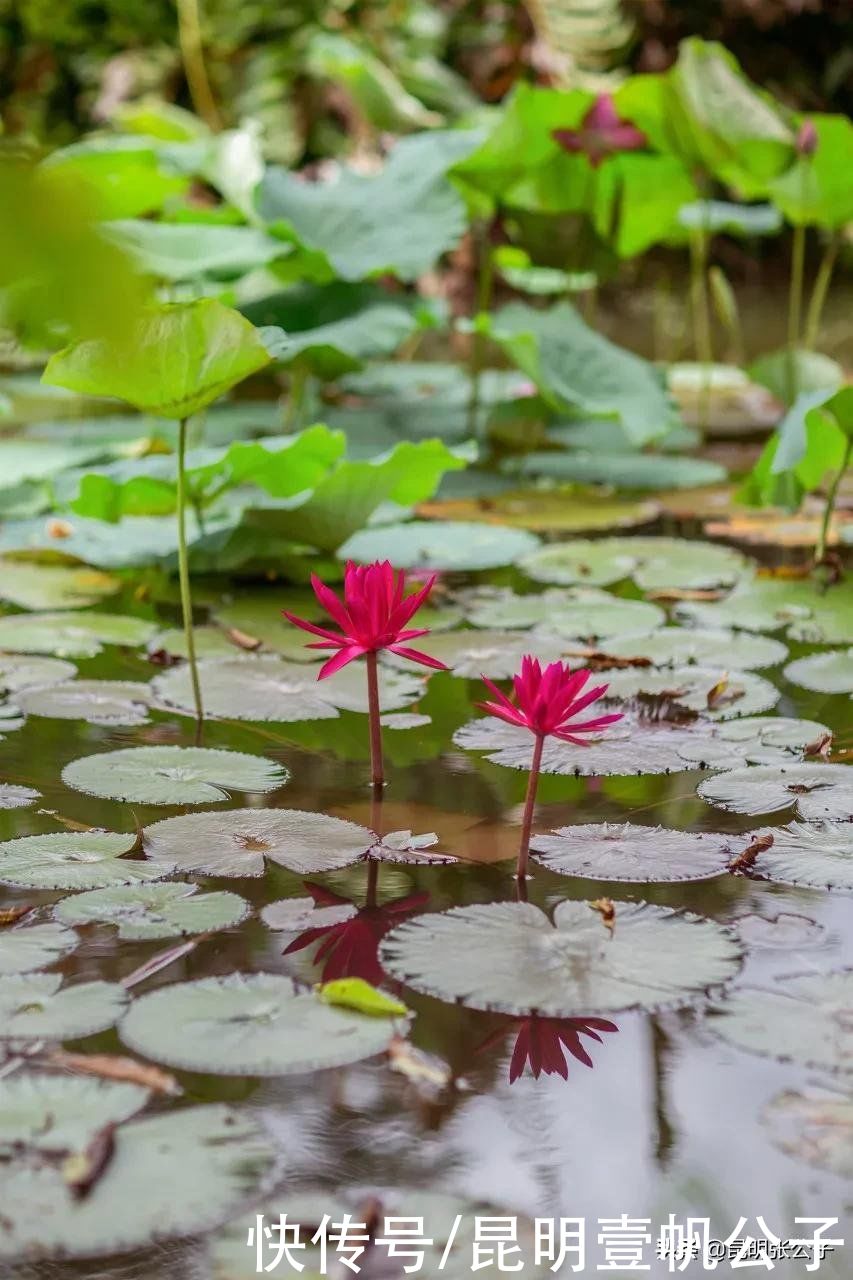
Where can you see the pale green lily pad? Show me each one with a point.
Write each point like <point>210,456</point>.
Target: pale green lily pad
<point>107,702</point>
<point>20,672</point>
<point>173,775</point>
<point>225,1161</point>
<point>766,604</point>
<point>823,672</point>
<point>238,842</point>
<point>404,720</point>
<point>71,633</point>
<point>809,855</point>
<point>817,792</point>
<point>500,607</point>
<point>648,472</point>
<point>598,620</point>
<point>73,860</point>
<point>751,740</point>
<point>509,957</point>
<point>293,915</point>
<point>258,1024</point>
<point>655,564</point>
<point>31,585</point>
<point>806,1022</point>
<point>577,613</point>
<point>210,642</point>
<point>575,563</point>
<point>35,1006</point>
<point>34,947</point>
<point>59,1112</point>
<point>816,1127</point>
<point>154,910</point>
<point>471,654</point>
<point>740,693</point>
<point>676,646</point>
<point>631,853</point>
<point>264,687</point>
<point>448,545</point>
<point>14,797</point>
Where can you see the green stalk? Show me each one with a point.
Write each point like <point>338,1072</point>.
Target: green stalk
<point>829,507</point>
<point>192,55</point>
<point>485,286</point>
<point>795,307</point>
<point>295,397</point>
<point>819,292</point>
<point>184,569</point>
<point>701,309</point>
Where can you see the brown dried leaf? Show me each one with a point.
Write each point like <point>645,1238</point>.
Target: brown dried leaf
<point>722,694</point>
<point>428,1073</point>
<point>161,961</point>
<point>607,910</point>
<point>598,660</point>
<point>84,1169</point>
<point>663,707</point>
<point>110,1066</point>
<point>745,861</point>
<point>71,824</point>
<point>687,593</point>
<point>821,746</point>
<point>243,640</point>
<point>57,528</point>
<point>11,915</point>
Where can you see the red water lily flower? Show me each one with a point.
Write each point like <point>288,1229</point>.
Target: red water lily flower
<point>542,1042</point>
<point>602,133</point>
<point>547,701</point>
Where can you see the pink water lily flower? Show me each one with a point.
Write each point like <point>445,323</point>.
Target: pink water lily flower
<point>602,133</point>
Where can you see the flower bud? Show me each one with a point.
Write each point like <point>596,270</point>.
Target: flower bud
<point>807,139</point>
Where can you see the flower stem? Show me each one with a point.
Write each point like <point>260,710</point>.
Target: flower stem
<point>819,292</point>
<point>795,306</point>
<point>529,805</point>
<point>192,55</point>
<point>376,767</point>
<point>184,568</point>
<point>485,283</point>
<point>701,309</point>
<point>829,507</point>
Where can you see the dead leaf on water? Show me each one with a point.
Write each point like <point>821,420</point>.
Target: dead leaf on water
<point>745,861</point>
<point>109,1066</point>
<point>11,915</point>
<point>607,910</point>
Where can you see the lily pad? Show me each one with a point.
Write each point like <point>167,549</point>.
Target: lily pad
<point>631,853</point>
<point>656,564</point>
<point>258,1024</point>
<point>501,607</point>
<point>810,855</point>
<point>14,797</point>
<point>154,910</point>
<point>30,585</point>
<point>264,687</point>
<point>449,545</point>
<point>646,472</point>
<point>72,633</point>
<point>239,841</point>
<point>20,672</point>
<point>600,619</point>
<point>823,672</point>
<point>751,740</point>
<point>73,860</point>
<point>58,1112</point>
<point>766,604</point>
<point>782,932</point>
<point>497,654</point>
<point>676,646</point>
<point>817,792</point>
<point>546,510</point>
<point>210,642</point>
<point>107,702</point>
<point>34,947</point>
<point>816,1127</point>
<point>509,957</point>
<point>807,1021</point>
<point>576,563</point>
<point>173,775</point>
<point>708,691</point>
<point>35,1006</point>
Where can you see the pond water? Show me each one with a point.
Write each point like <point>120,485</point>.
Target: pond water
<point>668,1119</point>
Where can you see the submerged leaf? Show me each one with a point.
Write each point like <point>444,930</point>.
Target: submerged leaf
<point>805,1021</point>
<point>631,853</point>
<point>73,860</point>
<point>34,947</point>
<point>815,791</point>
<point>154,910</point>
<point>173,775</point>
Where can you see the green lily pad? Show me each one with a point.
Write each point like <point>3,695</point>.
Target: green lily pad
<point>173,775</point>
<point>806,1022</point>
<point>59,1112</point>
<point>21,672</point>
<point>823,672</point>
<point>238,842</point>
<point>502,607</point>
<point>561,510</point>
<point>225,1160</point>
<point>30,585</point>
<point>497,654</point>
<point>676,646</point>
<point>815,791</point>
<point>809,855</point>
<point>633,471</point>
<point>293,915</point>
<point>210,642</point>
<point>35,1006</point>
<point>509,957</point>
<point>70,634</point>
<point>154,910</point>
<point>766,604</point>
<point>575,563</point>
<point>656,564</point>
<point>432,544</point>
<point>633,854</point>
<point>108,702</point>
<point>34,947</point>
<point>738,693</point>
<point>596,619</point>
<point>73,860</point>
<point>750,740</point>
<point>816,1127</point>
<point>258,1024</point>
<point>14,797</point>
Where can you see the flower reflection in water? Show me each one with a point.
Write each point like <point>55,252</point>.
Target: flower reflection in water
<point>542,1043</point>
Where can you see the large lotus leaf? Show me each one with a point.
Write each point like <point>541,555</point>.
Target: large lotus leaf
<point>656,564</point>
<point>766,604</point>
<point>71,633</point>
<point>399,220</point>
<point>811,855</point>
<point>190,251</point>
<point>496,654</point>
<point>224,1159</point>
<point>675,646</point>
<point>709,691</point>
<point>154,910</point>
<point>108,702</point>
<point>125,176</point>
<point>263,687</point>
<point>73,860</point>
<point>178,359</point>
<point>751,740</point>
<point>576,368</point>
<point>21,672</point>
<point>510,958</point>
<point>57,1112</point>
<point>14,797</point>
<point>647,471</point>
<point>30,585</point>
<point>172,775</point>
<point>814,1127</point>
<point>34,947</point>
<point>816,791</point>
<point>631,853</point>
<point>237,842</point>
<point>258,1024</point>
<point>806,1022</point>
<point>35,1006</point>
<point>427,544</point>
<point>823,672</point>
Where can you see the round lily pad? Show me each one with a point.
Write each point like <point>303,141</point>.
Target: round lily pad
<point>579,562</point>
<point>210,642</point>
<point>35,1006</point>
<point>816,1127</point>
<point>598,619</point>
<point>471,653</point>
<point>707,691</point>
<point>14,797</point>
<point>823,672</point>
<point>807,1021</point>
<point>810,614</point>
<point>678,646</point>
<point>74,860</point>
<point>631,853</point>
<point>784,932</point>
<point>500,607</point>
<point>173,775</point>
<point>562,510</point>
<point>107,702</point>
<point>750,740</point>
<point>34,947</point>
<point>509,957</point>
<point>154,910</point>
<point>433,544</point>
<point>656,564</point>
<point>59,1112</point>
<point>31,585</point>
<point>237,842</point>
<point>811,855</point>
<point>19,671</point>
<point>71,633</point>
<point>816,791</point>
<point>258,1024</point>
